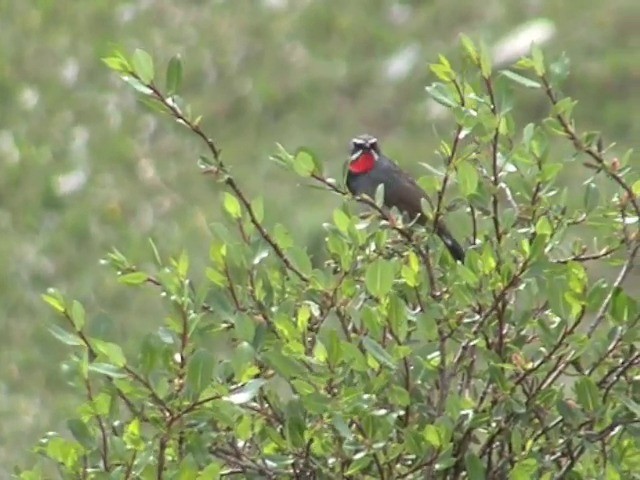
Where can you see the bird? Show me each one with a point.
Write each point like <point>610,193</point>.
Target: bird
<point>368,168</point>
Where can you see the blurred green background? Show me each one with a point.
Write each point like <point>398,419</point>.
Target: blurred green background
<point>84,167</point>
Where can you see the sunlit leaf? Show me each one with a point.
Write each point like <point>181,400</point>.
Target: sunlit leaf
<point>112,351</point>
<point>379,277</point>
<point>232,205</point>
<point>143,65</point>
<point>520,79</point>
<point>64,336</point>
<point>303,163</point>
<point>133,278</point>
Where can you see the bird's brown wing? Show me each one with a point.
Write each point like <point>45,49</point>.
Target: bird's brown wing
<point>403,192</point>
<point>406,195</point>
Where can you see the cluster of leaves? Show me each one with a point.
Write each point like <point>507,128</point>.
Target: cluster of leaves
<point>391,360</point>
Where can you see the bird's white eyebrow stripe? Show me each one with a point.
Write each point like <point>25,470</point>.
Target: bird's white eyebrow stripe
<point>364,141</point>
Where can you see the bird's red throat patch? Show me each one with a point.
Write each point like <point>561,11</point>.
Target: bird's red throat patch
<point>363,164</point>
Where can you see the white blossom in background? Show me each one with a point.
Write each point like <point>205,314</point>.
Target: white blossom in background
<point>275,4</point>
<point>71,182</point>
<point>9,151</point>
<point>69,71</point>
<point>518,42</point>
<point>400,13</point>
<point>401,63</point>
<point>28,98</point>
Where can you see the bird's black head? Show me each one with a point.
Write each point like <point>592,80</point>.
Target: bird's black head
<point>364,154</point>
<point>363,144</point>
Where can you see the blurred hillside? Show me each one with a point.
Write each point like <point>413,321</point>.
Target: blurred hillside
<point>85,167</point>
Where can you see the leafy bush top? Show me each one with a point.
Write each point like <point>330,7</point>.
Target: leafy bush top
<point>388,360</point>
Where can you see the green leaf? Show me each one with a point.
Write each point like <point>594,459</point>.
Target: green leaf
<point>174,74</point>
<point>524,469</point>
<point>282,157</point>
<point>333,348</point>
<point>282,236</point>
<point>64,451</point>
<point>633,406</point>
<point>485,61</point>
<point>441,94</point>
<point>80,432</point>
<point>143,66</point>
<point>242,361</point>
<point>341,220</point>
<point>377,352</point>
<point>432,435</point>
<point>520,79</point>
<point>112,351</point>
<point>636,188</point>
<point>303,163</point>
<point>295,424</point>
<point>107,369</point>
<point>397,315</point>
<point>399,396</point>
<point>246,393</point>
<point>538,60</point>
<point>245,327</point>
<point>117,62</point>
<point>182,265</point>
<point>475,467</point>
<point>137,85</point>
<point>257,205</point>
<point>155,251</point>
<point>300,259</point>
<point>341,426</point>
<point>65,337</point>
<point>564,107</point>
<point>443,69</point>
<point>211,472</point>
<point>283,364</point>
<point>232,205</point>
<point>543,226</point>
<point>469,47</point>
<point>357,465</point>
<point>587,394</point>
<point>133,278</point>
<point>77,315</point>
<point>199,371</point>
<point>467,178</point>
<point>379,277</point>
<point>623,307</point>
<point>150,353</point>
<point>55,300</point>
<point>560,69</point>
<point>131,436</point>
<point>591,197</point>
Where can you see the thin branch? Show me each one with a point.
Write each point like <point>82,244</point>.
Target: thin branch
<point>594,153</point>
<point>170,105</point>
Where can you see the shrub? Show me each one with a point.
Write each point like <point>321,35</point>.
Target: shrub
<point>389,360</point>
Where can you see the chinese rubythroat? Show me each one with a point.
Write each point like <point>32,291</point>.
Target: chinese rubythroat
<point>369,167</point>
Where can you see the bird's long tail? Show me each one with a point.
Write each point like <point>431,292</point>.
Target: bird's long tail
<point>456,250</point>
